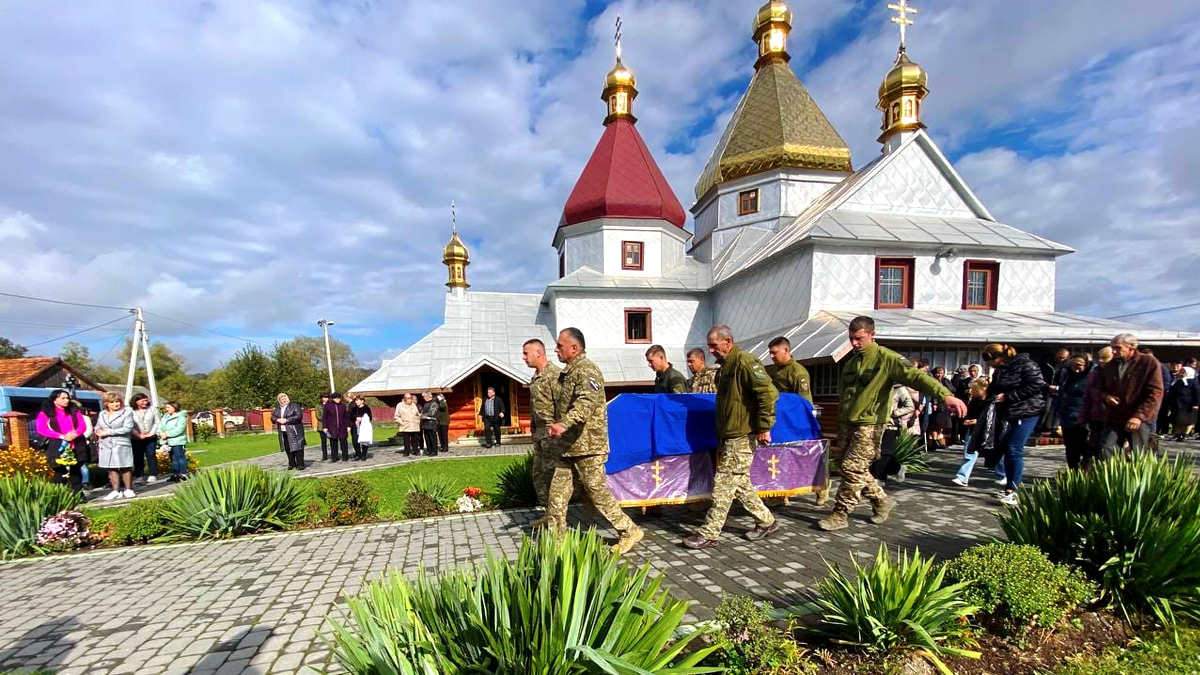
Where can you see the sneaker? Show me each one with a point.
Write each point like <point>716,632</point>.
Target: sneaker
<point>901,474</point>
<point>1002,481</point>
<point>1009,499</point>
<point>628,540</point>
<point>151,479</point>
<point>115,494</point>
<point>127,494</point>
<point>958,481</point>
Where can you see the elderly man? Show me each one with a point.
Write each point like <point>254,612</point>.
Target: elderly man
<point>1131,388</point>
<point>492,412</point>
<point>864,406</point>
<point>703,379</point>
<point>788,376</point>
<point>289,420</point>
<point>667,380</point>
<point>745,414</point>
<point>543,389</point>
<point>581,426</point>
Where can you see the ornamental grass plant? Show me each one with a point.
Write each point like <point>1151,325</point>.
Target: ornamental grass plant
<point>891,606</point>
<point>565,605</point>
<point>232,500</point>
<point>1131,525</point>
<point>25,504</point>
<point>516,485</point>
<point>910,453</point>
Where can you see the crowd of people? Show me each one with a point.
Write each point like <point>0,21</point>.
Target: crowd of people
<point>123,440</point>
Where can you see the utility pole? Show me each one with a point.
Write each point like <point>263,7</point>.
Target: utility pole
<point>140,341</point>
<point>328,356</point>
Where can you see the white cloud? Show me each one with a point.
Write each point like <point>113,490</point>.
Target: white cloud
<point>251,166</point>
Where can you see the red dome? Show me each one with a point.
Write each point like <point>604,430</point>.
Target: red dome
<point>621,180</point>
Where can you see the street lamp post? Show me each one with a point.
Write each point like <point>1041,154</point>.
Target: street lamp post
<point>324,324</point>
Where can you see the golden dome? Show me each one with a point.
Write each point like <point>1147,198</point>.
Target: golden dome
<point>620,76</point>
<point>904,75</point>
<point>775,11</point>
<point>455,251</point>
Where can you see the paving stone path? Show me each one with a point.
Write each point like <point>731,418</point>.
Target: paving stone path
<point>255,605</point>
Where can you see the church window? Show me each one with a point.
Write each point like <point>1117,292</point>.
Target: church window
<point>562,265</point>
<point>637,325</point>
<point>893,283</point>
<point>748,202</point>
<point>631,255</point>
<point>981,283</point>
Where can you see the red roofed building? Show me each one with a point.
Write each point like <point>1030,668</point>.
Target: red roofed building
<point>41,371</point>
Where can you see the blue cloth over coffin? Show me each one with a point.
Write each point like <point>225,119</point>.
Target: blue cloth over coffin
<point>642,427</point>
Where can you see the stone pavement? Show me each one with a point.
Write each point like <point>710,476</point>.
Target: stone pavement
<point>379,457</point>
<point>256,605</point>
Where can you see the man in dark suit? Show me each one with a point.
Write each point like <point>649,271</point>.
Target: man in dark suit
<point>492,412</point>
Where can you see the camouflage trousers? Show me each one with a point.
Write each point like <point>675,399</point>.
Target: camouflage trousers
<point>589,471</point>
<point>732,480</point>
<point>545,452</point>
<point>856,448</point>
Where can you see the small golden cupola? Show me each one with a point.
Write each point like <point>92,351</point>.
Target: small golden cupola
<point>620,87</point>
<point>771,28</point>
<point>903,88</point>
<point>456,257</point>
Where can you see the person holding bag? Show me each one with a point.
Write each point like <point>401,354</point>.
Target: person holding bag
<point>61,428</point>
<point>364,431</point>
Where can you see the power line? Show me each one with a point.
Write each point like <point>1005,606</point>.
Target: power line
<point>1157,311</point>
<point>46,326</point>
<point>64,302</point>
<point>215,332</point>
<point>78,332</point>
<point>120,340</point>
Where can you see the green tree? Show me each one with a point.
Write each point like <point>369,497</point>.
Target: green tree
<point>249,379</point>
<point>79,357</point>
<point>296,374</point>
<point>10,349</point>
<point>166,362</point>
<point>346,370</point>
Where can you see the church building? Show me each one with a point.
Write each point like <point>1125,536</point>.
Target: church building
<point>790,239</point>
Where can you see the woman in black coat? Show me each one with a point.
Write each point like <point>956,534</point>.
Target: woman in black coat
<point>1183,400</point>
<point>1017,386</point>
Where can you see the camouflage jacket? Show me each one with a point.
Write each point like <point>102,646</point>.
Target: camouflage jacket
<point>580,407</point>
<point>670,381</point>
<point>704,382</point>
<point>745,397</point>
<point>790,378</point>
<point>543,389</point>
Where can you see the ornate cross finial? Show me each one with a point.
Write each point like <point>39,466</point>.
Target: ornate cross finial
<point>617,38</point>
<point>901,19</point>
<point>453,218</point>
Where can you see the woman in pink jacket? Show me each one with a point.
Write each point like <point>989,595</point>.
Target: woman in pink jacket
<point>62,426</point>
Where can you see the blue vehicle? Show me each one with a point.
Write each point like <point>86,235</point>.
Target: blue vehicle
<point>29,400</point>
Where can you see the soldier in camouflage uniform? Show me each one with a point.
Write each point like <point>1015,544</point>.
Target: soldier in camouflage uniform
<point>581,427</point>
<point>745,414</point>
<point>543,389</point>
<point>789,377</point>
<point>667,380</point>
<point>703,379</point>
<point>865,399</point>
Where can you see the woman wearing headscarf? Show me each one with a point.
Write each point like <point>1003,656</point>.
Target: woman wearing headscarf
<point>114,429</point>
<point>1017,386</point>
<point>1071,394</point>
<point>61,423</point>
<point>1184,401</point>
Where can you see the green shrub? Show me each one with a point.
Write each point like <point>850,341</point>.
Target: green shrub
<point>142,521</point>
<point>565,606</point>
<point>441,490</point>
<point>515,484</point>
<point>1017,587</point>
<point>230,500</point>
<point>909,453</point>
<point>1132,526</point>
<point>421,505</point>
<point>893,606</point>
<point>204,432</point>
<point>750,645</point>
<point>25,503</point>
<point>350,499</point>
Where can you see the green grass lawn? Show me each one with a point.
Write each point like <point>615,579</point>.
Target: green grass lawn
<point>1156,655</point>
<point>236,448</point>
<point>392,483</point>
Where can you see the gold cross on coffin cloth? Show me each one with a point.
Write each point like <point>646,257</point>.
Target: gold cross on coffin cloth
<point>774,462</point>
<point>658,473</point>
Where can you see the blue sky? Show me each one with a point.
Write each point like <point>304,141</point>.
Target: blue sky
<point>251,167</point>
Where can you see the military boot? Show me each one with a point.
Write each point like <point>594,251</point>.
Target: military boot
<point>538,524</point>
<point>836,521</point>
<point>822,497</point>
<point>628,540</point>
<point>881,509</point>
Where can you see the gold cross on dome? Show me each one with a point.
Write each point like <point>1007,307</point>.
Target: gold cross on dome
<point>901,19</point>
<point>453,217</point>
<point>617,38</point>
<point>658,474</point>
<point>774,462</point>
